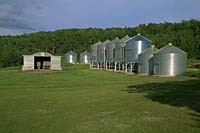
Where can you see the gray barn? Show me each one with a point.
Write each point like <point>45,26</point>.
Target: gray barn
<point>71,57</point>
<point>119,53</point>
<point>101,54</point>
<point>110,54</point>
<point>41,60</point>
<point>85,58</point>
<point>170,61</point>
<point>145,61</point>
<point>133,48</point>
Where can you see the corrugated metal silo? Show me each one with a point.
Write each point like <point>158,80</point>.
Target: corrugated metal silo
<point>71,57</point>
<point>135,46</point>
<point>101,53</point>
<point>119,49</point>
<point>110,50</point>
<point>93,51</point>
<point>85,58</point>
<point>145,61</point>
<point>170,61</point>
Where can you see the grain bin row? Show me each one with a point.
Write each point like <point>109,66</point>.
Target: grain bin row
<point>137,55</point>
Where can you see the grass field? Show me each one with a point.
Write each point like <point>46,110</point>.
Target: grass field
<point>82,100</point>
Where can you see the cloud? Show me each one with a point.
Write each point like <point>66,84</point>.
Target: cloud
<point>16,14</point>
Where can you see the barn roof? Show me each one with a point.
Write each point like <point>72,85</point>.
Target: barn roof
<point>40,54</point>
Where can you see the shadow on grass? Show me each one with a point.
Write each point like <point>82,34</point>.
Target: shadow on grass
<point>176,93</point>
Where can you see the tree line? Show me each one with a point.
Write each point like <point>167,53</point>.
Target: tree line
<point>185,35</point>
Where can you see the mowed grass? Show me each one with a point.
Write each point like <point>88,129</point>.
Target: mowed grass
<point>82,100</point>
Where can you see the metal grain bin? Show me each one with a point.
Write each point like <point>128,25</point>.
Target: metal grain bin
<point>119,49</point>
<point>145,61</point>
<point>93,51</point>
<point>85,58</point>
<point>101,49</point>
<point>110,47</point>
<point>135,46</point>
<point>71,57</point>
<point>170,61</point>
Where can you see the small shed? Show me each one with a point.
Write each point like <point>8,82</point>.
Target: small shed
<point>145,61</point>
<point>93,51</point>
<point>135,46</point>
<point>41,60</point>
<point>71,57</point>
<point>170,61</point>
<point>85,58</point>
<point>110,48</point>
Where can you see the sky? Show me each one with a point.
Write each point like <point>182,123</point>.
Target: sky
<point>25,16</point>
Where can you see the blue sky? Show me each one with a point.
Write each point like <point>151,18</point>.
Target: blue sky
<point>18,16</point>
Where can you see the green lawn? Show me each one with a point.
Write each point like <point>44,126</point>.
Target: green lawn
<point>82,100</point>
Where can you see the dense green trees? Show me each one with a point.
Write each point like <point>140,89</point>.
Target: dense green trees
<point>185,35</point>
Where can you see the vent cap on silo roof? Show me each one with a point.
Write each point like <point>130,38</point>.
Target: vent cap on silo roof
<point>138,34</point>
<point>170,44</point>
<point>153,46</point>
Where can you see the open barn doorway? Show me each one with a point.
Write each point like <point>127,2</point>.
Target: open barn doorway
<point>42,62</point>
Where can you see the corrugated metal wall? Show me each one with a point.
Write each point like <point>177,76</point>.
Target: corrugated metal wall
<point>134,47</point>
<point>56,63</point>
<point>93,51</point>
<point>101,51</point>
<point>71,57</point>
<point>85,58</point>
<point>145,61</point>
<point>110,48</point>
<point>28,61</point>
<point>170,61</point>
<point>119,49</point>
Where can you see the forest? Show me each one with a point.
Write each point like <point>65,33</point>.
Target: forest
<point>184,34</point>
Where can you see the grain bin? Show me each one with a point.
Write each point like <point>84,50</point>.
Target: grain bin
<point>93,51</point>
<point>71,57</point>
<point>135,46</point>
<point>170,61</point>
<point>110,54</point>
<point>119,53</point>
<point>110,50</point>
<point>119,49</point>
<point>145,61</point>
<point>93,55</point>
<point>85,58</point>
<point>101,54</point>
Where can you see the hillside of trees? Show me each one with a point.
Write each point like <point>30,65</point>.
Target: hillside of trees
<point>185,35</point>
